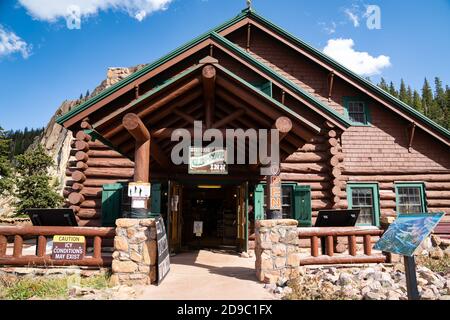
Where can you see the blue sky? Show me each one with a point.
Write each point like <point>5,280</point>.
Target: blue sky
<point>42,62</point>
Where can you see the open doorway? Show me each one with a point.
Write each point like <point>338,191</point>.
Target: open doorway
<point>222,211</point>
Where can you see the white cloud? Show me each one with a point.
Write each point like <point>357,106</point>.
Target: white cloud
<point>360,62</point>
<point>330,29</point>
<point>353,17</point>
<point>51,10</point>
<point>10,43</point>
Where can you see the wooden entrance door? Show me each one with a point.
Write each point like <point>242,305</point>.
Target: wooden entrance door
<point>175,216</point>
<point>242,212</point>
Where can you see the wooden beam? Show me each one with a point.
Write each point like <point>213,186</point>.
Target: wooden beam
<point>209,85</point>
<point>190,85</point>
<point>185,116</point>
<point>284,126</point>
<point>228,119</point>
<point>330,85</point>
<point>412,131</point>
<point>139,131</point>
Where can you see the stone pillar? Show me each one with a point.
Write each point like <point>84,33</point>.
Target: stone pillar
<point>135,252</point>
<point>277,250</point>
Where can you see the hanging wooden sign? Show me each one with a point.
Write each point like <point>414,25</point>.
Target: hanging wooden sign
<point>208,161</point>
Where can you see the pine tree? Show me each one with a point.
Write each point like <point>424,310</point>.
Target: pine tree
<point>33,189</point>
<point>427,97</point>
<point>403,94</point>
<point>392,90</point>
<point>410,96</point>
<point>383,85</point>
<point>417,101</point>
<point>5,165</point>
<point>447,107</point>
<point>86,95</point>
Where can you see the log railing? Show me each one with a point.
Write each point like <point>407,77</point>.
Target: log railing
<point>95,237</point>
<point>329,235</point>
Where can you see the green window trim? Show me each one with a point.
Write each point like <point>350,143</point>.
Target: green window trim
<point>368,118</point>
<point>301,209</point>
<point>376,199</point>
<point>419,185</point>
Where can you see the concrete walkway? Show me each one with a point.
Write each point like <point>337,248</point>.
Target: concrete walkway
<point>207,275</point>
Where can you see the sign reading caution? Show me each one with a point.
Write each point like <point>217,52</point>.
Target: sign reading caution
<point>68,247</point>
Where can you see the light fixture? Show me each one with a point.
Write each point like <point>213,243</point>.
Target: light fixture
<point>209,187</point>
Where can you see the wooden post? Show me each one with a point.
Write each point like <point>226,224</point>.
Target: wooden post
<point>367,245</point>
<point>411,278</point>
<point>97,247</point>
<point>209,84</point>
<point>352,245</point>
<point>140,133</point>
<point>18,245</point>
<point>41,246</point>
<point>330,245</point>
<point>315,246</point>
<point>3,245</point>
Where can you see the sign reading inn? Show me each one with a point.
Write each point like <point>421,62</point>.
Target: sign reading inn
<point>343,142</point>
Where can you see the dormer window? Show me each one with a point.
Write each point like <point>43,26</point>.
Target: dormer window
<point>357,110</point>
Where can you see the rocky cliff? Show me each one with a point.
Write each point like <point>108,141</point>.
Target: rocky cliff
<point>57,140</point>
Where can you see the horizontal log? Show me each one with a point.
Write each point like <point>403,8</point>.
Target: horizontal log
<point>438,194</point>
<point>388,204</point>
<point>335,150</point>
<point>438,202</point>
<point>51,231</point>
<point>437,186</point>
<point>305,177</point>
<point>91,223</point>
<point>82,136</point>
<point>300,157</point>
<point>336,172</point>
<point>104,154</point>
<point>320,195</point>
<point>338,231</point>
<point>81,145</point>
<point>89,213</point>
<point>406,177</point>
<point>82,165</point>
<point>304,168</point>
<point>91,192</point>
<point>333,142</point>
<point>321,204</point>
<point>110,163</point>
<point>92,204</point>
<point>393,171</point>
<point>343,260</point>
<point>94,145</point>
<point>101,182</point>
<point>317,186</point>
<point>79,176</point>
<point>75,209</point>
<point>337,159</point>
<point>77,187</point>
<point>76,198</point>
<point>124,173</point>
<point>81,156</point>
<point>387,195</point>
<point>47,261</point>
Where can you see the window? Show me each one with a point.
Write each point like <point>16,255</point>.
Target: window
<point>365,197</point>
<point>357,110</point>
<point>410,198</point>
<point>296,203</point>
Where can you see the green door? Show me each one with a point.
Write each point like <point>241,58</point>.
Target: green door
<point>111,204</point>
<point>156,199</point>
<point>259,202</point>
<point>302,205</point>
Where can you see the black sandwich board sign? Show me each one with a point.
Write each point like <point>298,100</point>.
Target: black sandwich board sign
<point>163,250</point>
<point>403,237</point>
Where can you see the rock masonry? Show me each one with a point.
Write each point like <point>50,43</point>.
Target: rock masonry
<point>135,252</point>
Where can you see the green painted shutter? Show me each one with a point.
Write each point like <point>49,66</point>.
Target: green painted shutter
<point>156,198</point>
<point>259,202</point>
<point>111,204</point>
<point>302,205</point>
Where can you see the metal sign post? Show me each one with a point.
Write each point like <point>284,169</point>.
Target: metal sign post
<point>411,278</point>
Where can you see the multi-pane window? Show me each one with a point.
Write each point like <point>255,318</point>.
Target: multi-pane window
<point>365,198</point>
<point>357,111</point>
<point>410,198</point>
<point>287,203</point>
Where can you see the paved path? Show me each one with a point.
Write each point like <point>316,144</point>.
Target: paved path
<point>207,275</point>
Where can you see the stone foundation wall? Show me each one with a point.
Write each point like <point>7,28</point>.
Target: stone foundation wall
<point>277,250</point>
<point>135,252</point>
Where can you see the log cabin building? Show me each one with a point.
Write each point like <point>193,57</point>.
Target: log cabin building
<point>350,144</point>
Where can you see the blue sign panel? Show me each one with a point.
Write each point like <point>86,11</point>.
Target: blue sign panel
<point>407,232</point>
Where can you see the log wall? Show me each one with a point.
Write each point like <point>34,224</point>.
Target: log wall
<point>92,165</point>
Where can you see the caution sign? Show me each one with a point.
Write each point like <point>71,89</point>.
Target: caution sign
<point>68,247</point>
